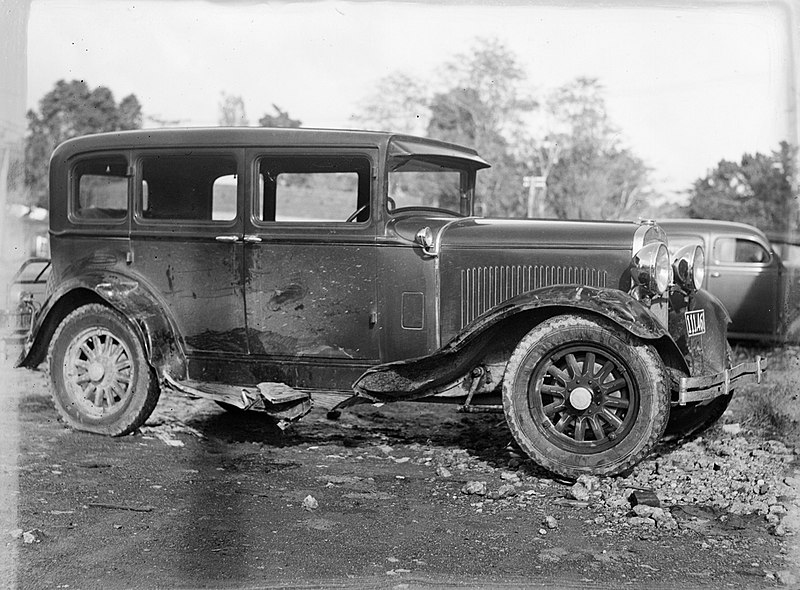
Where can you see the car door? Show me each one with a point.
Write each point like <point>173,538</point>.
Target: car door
<point>745,275</point>
<point>186,240</point>
<point>310,265</point>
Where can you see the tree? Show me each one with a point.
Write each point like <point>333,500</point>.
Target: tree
<point>485,108</point>
<point>69,110</point>
<point>758,190</point>
<point>400,104</point>
<point>486,103</point>
<point>231,111</point>
<point>280,119</point>
<point>589,174</point>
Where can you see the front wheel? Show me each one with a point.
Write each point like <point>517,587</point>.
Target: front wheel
<point>99,375</point>
<point>581,396</point>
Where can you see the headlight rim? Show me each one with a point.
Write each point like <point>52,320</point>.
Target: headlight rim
<point>651,269</point>
<point>688,265</point>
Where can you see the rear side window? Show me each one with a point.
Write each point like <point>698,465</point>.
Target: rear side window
<point>189,188</point>
<point>100,188</point>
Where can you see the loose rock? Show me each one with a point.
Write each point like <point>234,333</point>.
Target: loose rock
<point>310,503</point>
<point>474,488</point>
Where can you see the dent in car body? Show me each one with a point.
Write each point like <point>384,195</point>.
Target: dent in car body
<point>104,273</point>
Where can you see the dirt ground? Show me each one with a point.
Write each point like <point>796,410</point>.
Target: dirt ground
<point>210,499</point>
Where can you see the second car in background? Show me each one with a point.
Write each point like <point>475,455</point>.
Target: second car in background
<point>746,274</point>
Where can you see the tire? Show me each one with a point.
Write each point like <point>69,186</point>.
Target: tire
<point>99,376</point>
<point>582,396</point>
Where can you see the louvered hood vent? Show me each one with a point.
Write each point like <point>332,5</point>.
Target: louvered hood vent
<point>485,287</point>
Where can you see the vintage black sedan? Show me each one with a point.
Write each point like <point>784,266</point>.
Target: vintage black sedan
<point>269,269</point>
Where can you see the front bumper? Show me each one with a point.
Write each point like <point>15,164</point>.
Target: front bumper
<point>706,387</point>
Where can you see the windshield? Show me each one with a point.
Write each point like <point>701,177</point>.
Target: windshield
<point>426,182</point>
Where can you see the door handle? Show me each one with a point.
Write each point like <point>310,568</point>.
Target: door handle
<point>227,238</point>
<point>252,239</point>
<point>715,274</point>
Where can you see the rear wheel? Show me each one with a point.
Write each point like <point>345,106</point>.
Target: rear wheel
<point>99,375</point>
<point>581,396</point>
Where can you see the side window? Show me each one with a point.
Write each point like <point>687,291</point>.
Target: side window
<point>100,188</point>
<point>189,188</point>
<point>739,250</point>
<point>306,189</point>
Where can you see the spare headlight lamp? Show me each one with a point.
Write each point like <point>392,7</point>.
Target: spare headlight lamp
<point>689,267</point>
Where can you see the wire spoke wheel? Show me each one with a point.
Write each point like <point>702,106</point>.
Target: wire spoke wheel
<point>99,374</point>
<point>98,371</point>
<point>585,395</point>
<point>582,396</point>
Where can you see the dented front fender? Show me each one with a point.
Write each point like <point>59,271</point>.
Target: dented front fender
<point>412,379</point>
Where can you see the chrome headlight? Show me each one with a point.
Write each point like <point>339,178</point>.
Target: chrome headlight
<point>651,270</point>
<point>689,266</point>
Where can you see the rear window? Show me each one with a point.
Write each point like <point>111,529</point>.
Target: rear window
<point>100,188</point>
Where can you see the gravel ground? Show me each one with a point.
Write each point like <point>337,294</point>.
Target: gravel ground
<point>404,495</point>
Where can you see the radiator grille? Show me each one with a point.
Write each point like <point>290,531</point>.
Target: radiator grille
<point>485,287</point>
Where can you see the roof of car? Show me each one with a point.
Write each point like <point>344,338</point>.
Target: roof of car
<point>710,226</point>
<point>261,136</point>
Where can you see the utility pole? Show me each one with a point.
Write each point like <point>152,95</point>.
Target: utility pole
<point>535,184</point>
<point>13,93</point>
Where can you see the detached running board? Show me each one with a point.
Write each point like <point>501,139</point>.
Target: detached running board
<point>705,387</point>
<point>281,402</point>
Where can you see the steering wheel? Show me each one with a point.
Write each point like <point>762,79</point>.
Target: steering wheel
<point>357,212</point>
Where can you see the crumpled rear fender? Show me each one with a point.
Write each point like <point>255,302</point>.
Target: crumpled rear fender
<point>128,294</point>
<point>417,378</point>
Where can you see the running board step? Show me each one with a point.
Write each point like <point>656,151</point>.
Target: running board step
<point>278,400</point>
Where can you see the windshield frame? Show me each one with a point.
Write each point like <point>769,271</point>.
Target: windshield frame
<point>433,165</point>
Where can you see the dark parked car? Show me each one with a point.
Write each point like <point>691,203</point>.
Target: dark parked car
<point>745,272</point>
<point>267,269</point>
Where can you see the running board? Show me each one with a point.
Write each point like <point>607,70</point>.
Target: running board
<point>278,400</point>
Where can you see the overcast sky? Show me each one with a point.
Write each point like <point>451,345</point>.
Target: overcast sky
<point>687,86</point>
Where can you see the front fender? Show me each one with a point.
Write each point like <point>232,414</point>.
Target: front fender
<point>129,295</point>
<point>412,379</point>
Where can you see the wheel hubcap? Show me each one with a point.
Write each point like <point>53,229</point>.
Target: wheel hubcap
<point>583,398</point>
<point>98,371</point>
<point>580,398</point>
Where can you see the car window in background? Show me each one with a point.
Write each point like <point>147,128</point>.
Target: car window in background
<point>739,250</point>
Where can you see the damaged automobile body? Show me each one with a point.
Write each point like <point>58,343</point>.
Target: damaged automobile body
<point>273,269</point>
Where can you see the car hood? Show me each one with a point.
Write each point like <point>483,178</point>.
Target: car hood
<point>472,232</point>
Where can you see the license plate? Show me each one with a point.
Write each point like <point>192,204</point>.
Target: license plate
<point>696,322</point>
